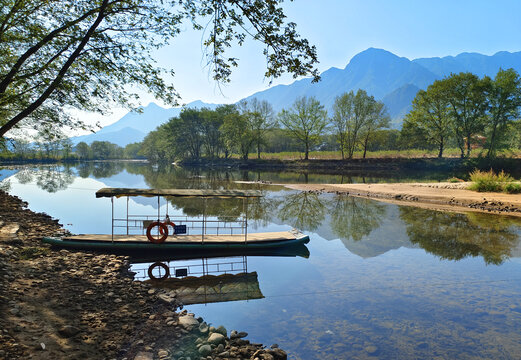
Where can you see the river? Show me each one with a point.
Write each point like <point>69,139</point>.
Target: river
<point>377,280</point>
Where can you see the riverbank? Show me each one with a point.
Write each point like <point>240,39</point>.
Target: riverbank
<point>413,167</point>
<point>80,305</point>
<point>438,196</point>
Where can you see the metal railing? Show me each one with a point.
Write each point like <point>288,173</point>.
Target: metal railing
<point>137,225</point>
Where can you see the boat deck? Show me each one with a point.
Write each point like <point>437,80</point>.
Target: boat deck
<point>222,238</point>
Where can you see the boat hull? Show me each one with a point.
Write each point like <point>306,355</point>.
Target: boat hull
<point>177,246</point>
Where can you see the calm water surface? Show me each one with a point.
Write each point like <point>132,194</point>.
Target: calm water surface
<point>381,281</point>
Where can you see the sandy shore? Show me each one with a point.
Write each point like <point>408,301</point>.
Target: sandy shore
<point>438,196</point>
<point>59,304</point>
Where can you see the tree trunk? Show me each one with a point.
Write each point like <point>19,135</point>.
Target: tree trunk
<point>440,153</point>
<point>491,150</point>
<point>468,145</point>
<point>365,146</point>
<point>306,156</point>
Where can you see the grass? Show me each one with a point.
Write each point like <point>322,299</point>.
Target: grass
<point>455,180</point>
<point>381,154</point>
<point>489,181</point>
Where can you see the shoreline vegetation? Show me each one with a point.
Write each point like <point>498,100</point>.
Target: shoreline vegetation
<point>60,304</point>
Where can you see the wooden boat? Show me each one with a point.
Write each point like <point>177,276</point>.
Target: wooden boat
<point>188,234</point>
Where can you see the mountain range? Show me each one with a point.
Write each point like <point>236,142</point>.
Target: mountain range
<point>392,79</point>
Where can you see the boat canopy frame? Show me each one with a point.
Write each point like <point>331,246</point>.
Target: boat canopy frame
<point>200,193</point>
<point>120,192</point>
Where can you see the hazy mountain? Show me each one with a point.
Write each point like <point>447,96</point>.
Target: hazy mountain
<point>135,125</point>
<point>121,137</point>
<point>392,79</point>
<point>473,62</point>
<point>377,71</point>
<point>399,102</point>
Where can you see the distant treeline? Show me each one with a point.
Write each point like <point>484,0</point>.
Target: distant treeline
<point>64,150</point>
<point>461,111</point>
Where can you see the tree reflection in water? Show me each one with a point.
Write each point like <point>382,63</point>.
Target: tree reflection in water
<point>355,218</point>
<point>101,169</point>
<point>302,210</point>
<point>456,236</point>
<point>48,178</point>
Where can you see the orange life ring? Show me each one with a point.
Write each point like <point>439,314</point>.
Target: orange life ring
<point>161,265</point>
<point>168,223</point>
<point>162,229</point>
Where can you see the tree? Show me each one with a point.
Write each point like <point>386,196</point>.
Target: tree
<point>83,150</point>
<point>210,127</point>
<point>261,118</point>
<point>185,134</point>
<point>466,94</point>
<point>156,146</point>
<point>343,110</point>
<point>88,54</point>
<point>377,118</point>
<point>504,100</point>
<point>355,116</point>
<point>21,147</point>
<point>237,133</point>
<point>305,120</point>
<point>430,113</point>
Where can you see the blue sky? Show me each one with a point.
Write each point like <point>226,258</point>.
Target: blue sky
<point>342,28</point>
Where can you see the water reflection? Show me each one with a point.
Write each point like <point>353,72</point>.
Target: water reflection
<point>206,280</point>
<point>199,278</point>
<point>457,236</point>
<point>49,178</point>
<point>355,218</point>
<point>302,210</point>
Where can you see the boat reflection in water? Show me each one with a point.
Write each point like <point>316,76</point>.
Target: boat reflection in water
<point>209,279</point>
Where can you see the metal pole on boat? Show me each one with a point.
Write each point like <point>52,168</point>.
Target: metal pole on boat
<point>127,215</point>
<point>245,208</point>
<point>112,201</point>
<point>204,221</point>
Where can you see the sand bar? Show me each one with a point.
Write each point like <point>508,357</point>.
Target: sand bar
<point>438,196</point>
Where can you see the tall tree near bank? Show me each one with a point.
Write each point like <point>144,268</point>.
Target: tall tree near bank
<point>430,114</point>
<point>343,116</point>
<point>377,118</point>
<point>210,129</point>
<point>261,118</point>
<point>504,97</point>
<point>88,54</point>
<point>354,122</point>
<point>306,120</point>
<point>468,104</point>
<point>185,134</point>
<point>237,134</point>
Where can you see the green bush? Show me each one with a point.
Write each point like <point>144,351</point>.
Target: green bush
<point>512,188</point>
<point>489,181</point>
